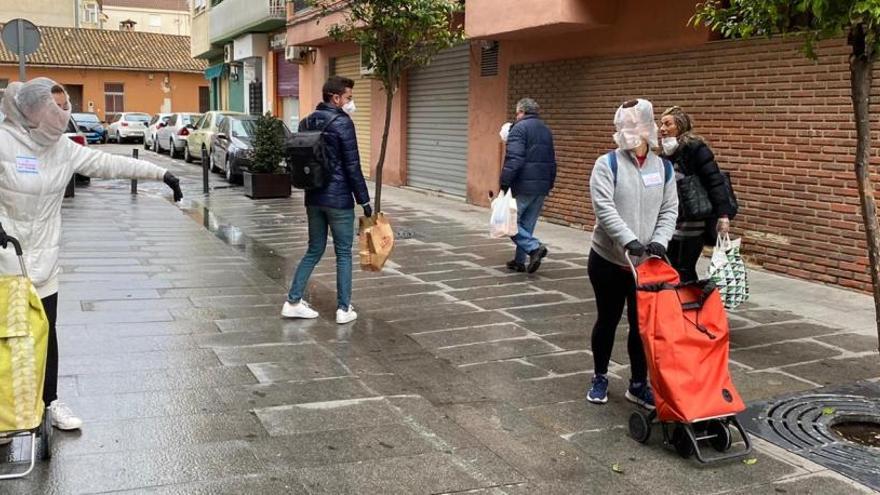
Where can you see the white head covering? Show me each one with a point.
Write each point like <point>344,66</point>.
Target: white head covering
<point>31,106</point>
<point>634,125</point>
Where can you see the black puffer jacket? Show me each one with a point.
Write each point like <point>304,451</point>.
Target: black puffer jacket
<point>530,161</point>
<point>342,148</point>
<point>694,157</point>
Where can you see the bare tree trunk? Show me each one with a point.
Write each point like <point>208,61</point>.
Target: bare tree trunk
<point>389,98</point>
<point>861,65</point>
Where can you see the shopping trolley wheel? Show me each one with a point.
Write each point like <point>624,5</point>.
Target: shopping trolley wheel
<point>45,434</point>
<point>721,439</point>
<point>639,427</point>
<point>682,442</point>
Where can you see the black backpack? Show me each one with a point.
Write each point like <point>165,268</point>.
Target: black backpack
<point>306,153</point>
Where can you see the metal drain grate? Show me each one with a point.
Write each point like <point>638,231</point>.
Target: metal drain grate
<point>802,424</point>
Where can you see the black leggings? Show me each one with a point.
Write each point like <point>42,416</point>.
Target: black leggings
<point>683,254</point>
<point>50,383</point>
<point>614,286</point>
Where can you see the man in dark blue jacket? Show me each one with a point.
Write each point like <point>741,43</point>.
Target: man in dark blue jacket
<point>530,171</point>
<point>332,207</point>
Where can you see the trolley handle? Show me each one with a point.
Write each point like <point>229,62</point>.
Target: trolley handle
<point>632,265</point>
<point>18,252</point>
<point>15,244</point>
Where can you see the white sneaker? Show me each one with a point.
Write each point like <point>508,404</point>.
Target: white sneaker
<point>62,416</point>
<point>298,310</point>
<point>343,317</point>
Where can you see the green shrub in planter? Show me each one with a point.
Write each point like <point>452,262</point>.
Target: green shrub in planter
<point>267,177</point>
<point>268,144</point>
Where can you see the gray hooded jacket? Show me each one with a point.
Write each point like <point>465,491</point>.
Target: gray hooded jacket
<point>642,205</point>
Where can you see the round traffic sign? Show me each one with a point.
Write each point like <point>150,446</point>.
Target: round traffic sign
<point>30,36</point>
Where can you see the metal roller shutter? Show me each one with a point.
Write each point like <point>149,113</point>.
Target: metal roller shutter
<point>350,67</point>
<point>437,132</point>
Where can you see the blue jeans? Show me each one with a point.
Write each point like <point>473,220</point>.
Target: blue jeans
<point>341,224</point>
<point>528,209</point>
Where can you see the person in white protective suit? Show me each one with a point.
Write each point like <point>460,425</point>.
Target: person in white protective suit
<point>36,163</point>
<point>636,204</point>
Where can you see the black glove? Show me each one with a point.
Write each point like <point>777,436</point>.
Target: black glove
<point>635,248</point>
<point>174,183</point>
<point>368,210</point>
<point>4,239</point>
<point>656,249</point>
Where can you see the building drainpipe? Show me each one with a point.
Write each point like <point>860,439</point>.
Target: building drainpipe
<point>76,13</point>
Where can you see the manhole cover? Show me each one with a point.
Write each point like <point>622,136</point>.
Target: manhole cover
<point>809,424</point>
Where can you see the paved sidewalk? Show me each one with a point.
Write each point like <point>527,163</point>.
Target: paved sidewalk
<point>458,377</point>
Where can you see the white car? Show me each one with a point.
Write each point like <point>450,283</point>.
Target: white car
<point>172,136</point>
<point>128,125</point>
<point>153,129</point>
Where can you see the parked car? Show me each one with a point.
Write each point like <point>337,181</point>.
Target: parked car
<point>171,137</point>
<point>90,125</point>
<point>128,125</point>
<point>231,148</point>
<point>200,135</point>
<point>75,134</point>
<point>153,129</point>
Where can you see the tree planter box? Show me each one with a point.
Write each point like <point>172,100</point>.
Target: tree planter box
<point>264,186</point>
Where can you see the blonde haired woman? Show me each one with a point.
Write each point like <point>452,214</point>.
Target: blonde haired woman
<point>690,155</point>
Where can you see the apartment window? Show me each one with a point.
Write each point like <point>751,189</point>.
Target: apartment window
<point>301,5</point>
<point>90,13</point>
<point>114,99</point>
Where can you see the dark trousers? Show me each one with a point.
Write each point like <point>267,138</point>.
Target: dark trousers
<point>614,286</point>
<point>683,254</point>
<point>50,383</point>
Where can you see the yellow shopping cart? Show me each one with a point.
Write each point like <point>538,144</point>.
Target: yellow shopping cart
<point>24,334</point>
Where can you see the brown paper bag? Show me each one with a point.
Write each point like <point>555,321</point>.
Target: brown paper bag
<point>375,242</point>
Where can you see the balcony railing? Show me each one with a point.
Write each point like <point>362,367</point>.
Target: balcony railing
<point>232,18</point>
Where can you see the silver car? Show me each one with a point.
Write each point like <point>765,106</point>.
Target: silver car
<point>153,129</point>
<point>128,125</point>
<point>172,136</point>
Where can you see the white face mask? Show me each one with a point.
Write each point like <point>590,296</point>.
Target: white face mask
<point>505,131</point>
<point>670,144</point>
<point>51,124</point>
<point>349,108</point>
<point>627,140</point>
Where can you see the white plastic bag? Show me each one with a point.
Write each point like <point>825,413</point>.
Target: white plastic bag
<point>728,271</point>
<point>503,220</point>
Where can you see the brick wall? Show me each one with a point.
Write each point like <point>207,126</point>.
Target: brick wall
<point>782,125</point>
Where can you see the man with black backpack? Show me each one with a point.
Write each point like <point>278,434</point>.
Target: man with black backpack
<point>329,203</point>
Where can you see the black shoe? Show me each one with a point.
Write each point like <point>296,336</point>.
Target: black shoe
<point>535,258</point>
<point>516,266</point>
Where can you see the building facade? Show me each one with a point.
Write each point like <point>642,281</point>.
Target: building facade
<point>244,43</point>
<point>102,79</point>
<point>780,124</point>
<point>64,13</point>
<point>150,16</point>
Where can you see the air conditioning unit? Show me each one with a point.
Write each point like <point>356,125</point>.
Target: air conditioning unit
<point>367,63</point>
<point>297,54</point>
<point>228,53</point>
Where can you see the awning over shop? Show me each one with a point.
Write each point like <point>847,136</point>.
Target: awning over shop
<point>214,71</point>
